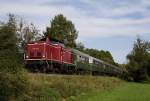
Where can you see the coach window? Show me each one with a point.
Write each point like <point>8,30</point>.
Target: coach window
<point>82,58</point>
<point>79,57</point>
<point>86,59</point>
<point>100,64</point>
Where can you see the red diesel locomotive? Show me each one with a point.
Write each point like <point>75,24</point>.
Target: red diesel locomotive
<point>48,54</point>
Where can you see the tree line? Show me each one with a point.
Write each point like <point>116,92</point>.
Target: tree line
<point>13,82</point>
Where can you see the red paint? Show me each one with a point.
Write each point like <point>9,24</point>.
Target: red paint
<point>46,50</point>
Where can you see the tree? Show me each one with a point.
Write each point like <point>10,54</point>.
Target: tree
<point>26,33</point>
<point>101,54</point>
<point>139,60</point>
<point>80,46</point>
<point>63,30</point>
<point>8,40</point>
<point>12,81</point>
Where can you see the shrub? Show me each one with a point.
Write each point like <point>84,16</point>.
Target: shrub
<point>12,86</point>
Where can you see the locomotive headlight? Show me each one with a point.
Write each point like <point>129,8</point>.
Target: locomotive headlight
<point>27,56</point>
<point>43,56</point>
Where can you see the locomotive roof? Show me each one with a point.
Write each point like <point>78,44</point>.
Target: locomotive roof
<point>51,39</point>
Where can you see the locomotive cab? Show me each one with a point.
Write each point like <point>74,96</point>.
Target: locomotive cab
<point>35,50</point>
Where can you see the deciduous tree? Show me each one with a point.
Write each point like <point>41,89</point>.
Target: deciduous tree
<point>26,33</point>
<point>139,60</point>
<point>63,30</point>
<point>12,81</point>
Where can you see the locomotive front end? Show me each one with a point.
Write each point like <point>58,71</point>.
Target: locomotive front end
<point>35,51</point>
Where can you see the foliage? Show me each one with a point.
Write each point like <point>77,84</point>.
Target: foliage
<point>101,54</point>
<point>8,40</point>
<point>26,33</point>
<point>13,86</point>
<point>80,46</point>
<point>68,87</point>
<point>12,81</point>
<point>139,60</point>
<point>63,30</point>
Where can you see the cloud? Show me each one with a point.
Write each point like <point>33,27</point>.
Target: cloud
<point>113,27</point>
<point>100,22</point>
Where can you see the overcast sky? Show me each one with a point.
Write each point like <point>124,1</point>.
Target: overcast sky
<point>111,25</point>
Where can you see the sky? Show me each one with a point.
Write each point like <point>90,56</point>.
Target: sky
<point>111,25</point>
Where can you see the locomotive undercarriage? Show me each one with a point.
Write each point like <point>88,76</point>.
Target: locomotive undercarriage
<point>43,66</point>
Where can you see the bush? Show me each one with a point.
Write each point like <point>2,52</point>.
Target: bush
<point>12,86</point>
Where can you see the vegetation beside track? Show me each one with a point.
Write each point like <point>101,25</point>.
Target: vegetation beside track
<point>67,87</point>
<point>126,92</point>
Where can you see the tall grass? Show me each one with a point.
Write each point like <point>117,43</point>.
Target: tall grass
<point>67,87</point>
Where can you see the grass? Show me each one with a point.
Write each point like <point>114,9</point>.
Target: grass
<point>67,87</point>
<point>125,92</point>
<point>51,87</point>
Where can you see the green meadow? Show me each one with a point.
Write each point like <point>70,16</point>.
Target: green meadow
<point>125,92</point>
<point>45,87</point>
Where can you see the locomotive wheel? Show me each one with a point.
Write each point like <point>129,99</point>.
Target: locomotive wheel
<point>44,69</point>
